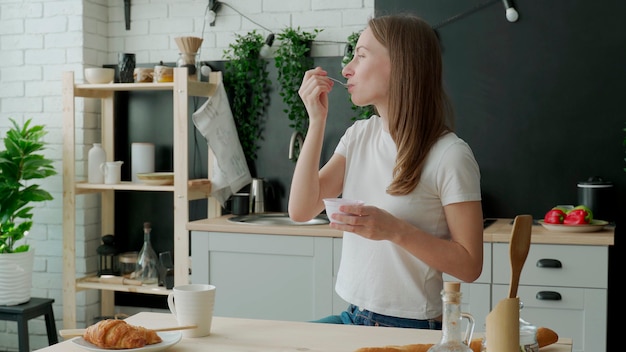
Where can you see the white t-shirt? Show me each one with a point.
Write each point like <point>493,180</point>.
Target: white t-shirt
<point>379,275</point>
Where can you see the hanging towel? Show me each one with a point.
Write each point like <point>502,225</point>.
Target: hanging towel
<point>215,122</point>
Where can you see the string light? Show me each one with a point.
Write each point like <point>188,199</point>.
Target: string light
<point>266,49</point>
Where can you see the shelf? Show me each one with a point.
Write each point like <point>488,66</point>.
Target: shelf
<point>147,289</point>
<point>197,189</point>
<point>182,190</point>
<point>196,89</point>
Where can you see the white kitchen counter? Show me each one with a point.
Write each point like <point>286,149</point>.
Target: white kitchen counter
<point>500,231</point>
<point>234,334</point>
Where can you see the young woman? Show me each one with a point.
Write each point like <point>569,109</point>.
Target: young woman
<point>420,182</point>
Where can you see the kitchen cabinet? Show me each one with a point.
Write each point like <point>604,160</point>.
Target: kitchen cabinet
<point>182,190</point>
<point>563,287</point>
<point>265,276</point>
<point>255,275</point>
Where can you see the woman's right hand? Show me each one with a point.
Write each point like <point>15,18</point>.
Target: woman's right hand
<point>314,93</point>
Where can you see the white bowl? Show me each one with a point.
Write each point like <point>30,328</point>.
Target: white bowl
<point>97,75</point>
<point>332,206</point>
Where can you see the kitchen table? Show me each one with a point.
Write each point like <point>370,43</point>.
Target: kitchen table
<point>236,334</point>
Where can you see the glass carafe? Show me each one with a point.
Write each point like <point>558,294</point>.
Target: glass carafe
<point>527,334</point>
<point>147,262</point>
<point>452,339</point>
<point>188,60</point>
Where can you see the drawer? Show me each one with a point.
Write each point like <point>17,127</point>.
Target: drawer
<point>485,276</point>
<point>555,265</point>
<point>577,312</point>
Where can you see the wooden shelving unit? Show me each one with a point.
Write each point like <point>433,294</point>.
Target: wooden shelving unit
<point>183,190</point>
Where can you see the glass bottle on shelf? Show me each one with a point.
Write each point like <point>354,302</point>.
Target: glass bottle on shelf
<point>452,339</point>
<point>147,270</point>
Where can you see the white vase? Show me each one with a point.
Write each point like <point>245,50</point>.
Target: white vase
<point>95,158</point>
<point>141,158</point>
<point>16,272</point>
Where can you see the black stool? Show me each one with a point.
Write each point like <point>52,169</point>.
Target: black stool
<point>24,312</point>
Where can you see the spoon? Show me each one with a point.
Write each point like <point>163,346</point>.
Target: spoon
<point>345,85</point>
<point>518,249</point>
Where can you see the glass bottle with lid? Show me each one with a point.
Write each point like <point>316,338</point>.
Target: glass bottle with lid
<point>147,270</point>
<point>452,339</point>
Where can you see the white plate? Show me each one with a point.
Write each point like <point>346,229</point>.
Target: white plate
<point>170,338</point>
<point>596,225</point>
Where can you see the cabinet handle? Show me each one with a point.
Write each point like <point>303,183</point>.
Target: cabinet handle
<point>548,296</point>
<point>549,263</point>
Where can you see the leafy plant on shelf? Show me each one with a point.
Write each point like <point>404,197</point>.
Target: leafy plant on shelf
<point>292,58</point>
<point>246,81</point>
<point>362,112</point>
<point>21,161</point>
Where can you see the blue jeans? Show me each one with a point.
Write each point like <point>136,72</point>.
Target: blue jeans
<point>355,316</point>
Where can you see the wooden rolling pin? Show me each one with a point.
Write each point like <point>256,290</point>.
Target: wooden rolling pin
<point>69,333</point>
<point>117,280</point>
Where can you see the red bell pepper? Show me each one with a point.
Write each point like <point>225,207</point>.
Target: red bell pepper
<point>578,217</point>
<point>554,216</point>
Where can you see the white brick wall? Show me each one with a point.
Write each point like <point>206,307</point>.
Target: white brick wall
<point>39,39</point>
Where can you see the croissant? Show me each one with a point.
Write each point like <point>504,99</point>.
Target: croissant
<point>117,334</point>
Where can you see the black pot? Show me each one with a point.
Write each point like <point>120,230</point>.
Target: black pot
<point>599,196</point>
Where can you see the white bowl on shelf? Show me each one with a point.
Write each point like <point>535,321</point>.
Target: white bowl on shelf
<point>97,75</point>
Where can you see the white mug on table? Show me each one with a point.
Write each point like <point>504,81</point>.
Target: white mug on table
<point>193,305</point>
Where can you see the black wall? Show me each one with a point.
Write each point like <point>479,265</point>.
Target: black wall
<point>540,101</point>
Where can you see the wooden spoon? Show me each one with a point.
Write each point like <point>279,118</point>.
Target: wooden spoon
<point>518,249</point>
<point>68,333</point>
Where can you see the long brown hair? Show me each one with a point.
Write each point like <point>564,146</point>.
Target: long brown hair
<point>419,109</point>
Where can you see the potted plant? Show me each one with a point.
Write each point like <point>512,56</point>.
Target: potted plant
<point>292,59</point>
<point>20,161</point>
<point>246,81</point>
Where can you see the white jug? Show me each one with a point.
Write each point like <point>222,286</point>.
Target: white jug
<point>112,171</point>
<point>95,158</point>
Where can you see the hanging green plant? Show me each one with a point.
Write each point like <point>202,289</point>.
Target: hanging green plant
<point>362,112</point>
<point>293,59</point>
<point>247,84</point>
